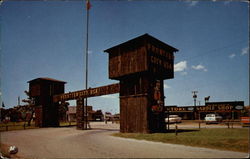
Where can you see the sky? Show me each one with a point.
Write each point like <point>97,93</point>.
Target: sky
<point>47,39</point>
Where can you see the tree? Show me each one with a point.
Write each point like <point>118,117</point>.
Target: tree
<point>63,108</point>
<point>14,115</point>
<point>30,101</point>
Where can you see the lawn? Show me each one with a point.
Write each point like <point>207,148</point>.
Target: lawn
<point>218,138</point>
<point>20,125</point>
<point>62,124</point>
<point>16,126</point>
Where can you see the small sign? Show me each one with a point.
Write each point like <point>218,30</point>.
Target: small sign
<point>239,107</point>
<point>157,108</point>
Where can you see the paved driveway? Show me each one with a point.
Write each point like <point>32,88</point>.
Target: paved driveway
<point>97,143</point>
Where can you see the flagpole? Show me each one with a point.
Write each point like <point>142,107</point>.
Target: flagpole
<point>86,62</point>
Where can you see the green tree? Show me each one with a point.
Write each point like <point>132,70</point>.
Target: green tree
<point>63,108</point>
<point>30,107</point>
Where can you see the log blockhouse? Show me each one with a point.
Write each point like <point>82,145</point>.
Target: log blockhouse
<point>141,65</point>
<point>43,90</point>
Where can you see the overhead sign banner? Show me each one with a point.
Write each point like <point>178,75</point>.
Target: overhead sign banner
<point>91,92</point>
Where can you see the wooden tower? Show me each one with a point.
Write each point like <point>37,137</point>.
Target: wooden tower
<point>141,65</point>
<point>43,90</point>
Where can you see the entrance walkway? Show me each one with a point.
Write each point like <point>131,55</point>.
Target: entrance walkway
<point>67,142</point>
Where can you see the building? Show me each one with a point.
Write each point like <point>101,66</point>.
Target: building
<point>228,110</point>
<point>71,114</point>
<point>92,114</point>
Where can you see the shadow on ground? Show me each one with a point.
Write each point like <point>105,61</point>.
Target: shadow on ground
<point>178,131</point>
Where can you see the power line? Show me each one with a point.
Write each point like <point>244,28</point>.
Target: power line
<point>212,51</point>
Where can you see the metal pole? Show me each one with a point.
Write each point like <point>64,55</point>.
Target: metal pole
<point>0,114</point>
<point>1,1</point>
<point>194,108</point>
<point>18,101</point>
<point>86,62</point>
<point>194,96</point>
<point>168,119</point>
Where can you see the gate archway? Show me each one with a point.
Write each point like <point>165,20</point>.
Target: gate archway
<point>141,65</point>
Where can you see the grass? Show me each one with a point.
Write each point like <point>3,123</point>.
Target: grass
<point>217,138</point>
<point>16,126</point>
<point>67,124</point>
<point>20,125</point>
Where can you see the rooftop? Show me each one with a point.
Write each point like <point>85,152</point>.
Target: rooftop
<point>139,39</point>
<point>46,79</point>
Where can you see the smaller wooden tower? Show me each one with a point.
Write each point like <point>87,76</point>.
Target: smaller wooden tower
<point>42,90</point>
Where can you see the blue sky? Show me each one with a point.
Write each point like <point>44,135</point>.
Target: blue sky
<point>47,39</point>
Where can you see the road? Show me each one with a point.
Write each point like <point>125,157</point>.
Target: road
<point>67,142</point>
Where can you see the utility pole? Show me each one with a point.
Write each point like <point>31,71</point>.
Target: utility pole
<point>194,96</point>
<point>18,101</point>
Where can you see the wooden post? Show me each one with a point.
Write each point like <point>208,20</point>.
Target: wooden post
<point>176,129</point>
<point>89,125</point>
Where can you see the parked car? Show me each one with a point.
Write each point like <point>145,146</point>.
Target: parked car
<point>108,116</point>
<point>173,119</point>
<point>245,121</point>
<point>213,118</point>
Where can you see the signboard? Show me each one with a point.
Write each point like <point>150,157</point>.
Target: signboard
<point>157,99</point>
<point>225,106</point>
<point>213,106</point>
<point>161,61</point>
<point>109,89</point>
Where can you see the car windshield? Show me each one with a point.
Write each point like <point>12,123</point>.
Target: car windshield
<point>211,115</point>
<point>173,116</point>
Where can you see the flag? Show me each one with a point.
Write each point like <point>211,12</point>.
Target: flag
<point>88,5</point>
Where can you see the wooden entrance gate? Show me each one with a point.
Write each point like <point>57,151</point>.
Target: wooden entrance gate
<point>140,65</point>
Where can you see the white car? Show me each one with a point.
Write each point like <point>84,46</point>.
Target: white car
<point>173,119</point>
<point>213,118</point>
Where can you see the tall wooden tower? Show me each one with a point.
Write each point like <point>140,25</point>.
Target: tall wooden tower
<point>141,65</point>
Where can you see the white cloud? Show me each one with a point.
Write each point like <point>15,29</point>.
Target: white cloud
<point>192,3</point>
<point>244,51</point>
<point>90,52</point>
<point>181,66</point>
<point>184,73</point>
<point>0,93</point>
<point>166,86</point>
<point>199,67</point>
<point>109,96</point>
<point>231,56</point>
